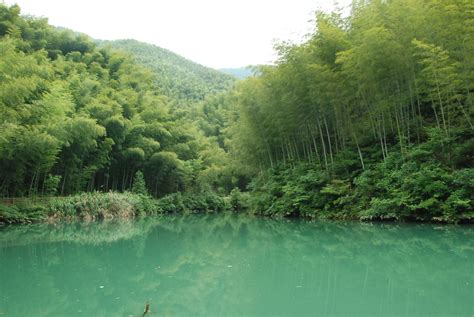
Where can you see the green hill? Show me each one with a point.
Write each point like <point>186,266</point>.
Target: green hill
<point>177,76</point>
<point>75,116</point>
<point>240,73</point>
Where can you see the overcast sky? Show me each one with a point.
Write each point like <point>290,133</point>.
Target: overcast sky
<point>215,33</point>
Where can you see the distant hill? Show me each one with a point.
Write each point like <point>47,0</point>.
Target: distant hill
<point>177,76</point>
<point>240,73</point>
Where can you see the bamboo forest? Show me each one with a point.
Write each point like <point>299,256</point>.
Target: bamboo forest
<point>293,188</point>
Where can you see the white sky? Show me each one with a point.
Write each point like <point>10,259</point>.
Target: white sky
<point>215,33</point>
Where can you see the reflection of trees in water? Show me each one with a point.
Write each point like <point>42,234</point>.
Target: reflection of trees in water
<point>233,264</point>
<point>56,261</point>
<point>330,258</point>
<point>333,259</point>
<point>93,233</point>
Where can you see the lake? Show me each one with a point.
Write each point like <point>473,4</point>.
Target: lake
<point>236,265</point>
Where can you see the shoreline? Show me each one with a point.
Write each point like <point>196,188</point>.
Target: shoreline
<point>98,206</point>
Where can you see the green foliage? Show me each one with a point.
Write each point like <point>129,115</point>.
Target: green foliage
<point>237,200</point>
<point>101,205</point>
<point>51,185</point>
<point>139,186</point>
<point>370,118</point>
<point>392,190</point>
<point>240,73</point>
<point>192,203</point>
<point>93,117</point>
<point>21,213</point>
<point>415,191</point>
<point>177,77</point>
<point>97,205</point>
<point>290,192</point>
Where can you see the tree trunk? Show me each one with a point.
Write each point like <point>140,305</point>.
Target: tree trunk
<point>324,146</point>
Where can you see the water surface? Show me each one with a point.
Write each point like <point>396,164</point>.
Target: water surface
<point>228,265</point>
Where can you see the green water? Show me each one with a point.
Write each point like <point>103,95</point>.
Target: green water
<point>226,265</point>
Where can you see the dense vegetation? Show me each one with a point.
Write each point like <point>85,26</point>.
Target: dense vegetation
<point>240,73</point>
<point>75,117</point>
<point>371,118</point>
<point>176,76</point>
<point>110,205</point>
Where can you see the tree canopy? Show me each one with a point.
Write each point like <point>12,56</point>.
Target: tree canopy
<point>92,117</point>
<point>373,113</point>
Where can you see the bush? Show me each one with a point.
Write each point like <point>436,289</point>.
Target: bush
<point>21,213</point>
<point>237,200</point>
<point>51,184</point>
<point>139,186</point>
<point>420,189</point>
<point>102,205</point>
<point>192,203</point>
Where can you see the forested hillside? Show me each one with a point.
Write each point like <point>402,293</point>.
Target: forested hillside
<point>176,76</point>
<point>371,118</point>
<point>76,117</point>
<point>240,73</point>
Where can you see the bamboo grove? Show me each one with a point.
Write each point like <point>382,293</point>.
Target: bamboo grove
<point>385,90</point>
<point>76,117</point>
<point>370,118</point>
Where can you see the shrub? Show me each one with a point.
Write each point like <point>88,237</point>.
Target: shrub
<point>139,186</point>
<point>192,203</point>
<point>237,200</point>
<point>102,205</point>
<point>23,213</point>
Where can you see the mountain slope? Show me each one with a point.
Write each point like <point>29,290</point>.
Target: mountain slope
<point>177,76</point>
<point>240,73</point>
<point>75,117</point>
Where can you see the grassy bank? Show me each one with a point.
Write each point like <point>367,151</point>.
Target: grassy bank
<point>281,194</point>
<point>98,206</point>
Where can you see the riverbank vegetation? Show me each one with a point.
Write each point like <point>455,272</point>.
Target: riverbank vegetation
<point>371,118</point>
<point>112,205</point>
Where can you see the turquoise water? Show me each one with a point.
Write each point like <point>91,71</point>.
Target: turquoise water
<point>227,265</point>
